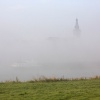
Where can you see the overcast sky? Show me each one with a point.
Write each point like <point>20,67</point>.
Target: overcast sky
<point>48,17</point>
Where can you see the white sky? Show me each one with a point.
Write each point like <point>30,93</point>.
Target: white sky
<point>48,16</point>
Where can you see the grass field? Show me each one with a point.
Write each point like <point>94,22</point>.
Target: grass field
<point>86,89</point>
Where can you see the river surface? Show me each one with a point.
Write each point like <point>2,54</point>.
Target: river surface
<point>53,70</point>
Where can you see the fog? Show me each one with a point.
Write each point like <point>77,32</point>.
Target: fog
<point>37,39</point>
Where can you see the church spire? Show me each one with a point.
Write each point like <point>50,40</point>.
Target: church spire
<point>77,30</point>
<point>76,25</point>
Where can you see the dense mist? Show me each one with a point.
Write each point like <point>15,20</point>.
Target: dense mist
<point>37,38</point>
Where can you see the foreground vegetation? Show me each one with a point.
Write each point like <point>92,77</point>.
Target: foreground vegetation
<point>51,89</point>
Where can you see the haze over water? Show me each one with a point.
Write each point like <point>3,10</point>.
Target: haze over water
<point>37,39</point>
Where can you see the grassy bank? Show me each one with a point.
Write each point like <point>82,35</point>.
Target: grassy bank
<point>76,89</point>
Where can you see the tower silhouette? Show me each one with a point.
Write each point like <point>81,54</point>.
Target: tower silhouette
<point>77,30</point>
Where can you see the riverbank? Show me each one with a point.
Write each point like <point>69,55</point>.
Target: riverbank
<point>51,89</point>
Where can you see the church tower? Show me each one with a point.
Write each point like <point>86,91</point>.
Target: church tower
<point>76,29</point>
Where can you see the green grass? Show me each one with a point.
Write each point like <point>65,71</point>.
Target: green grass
<point>83,89</point>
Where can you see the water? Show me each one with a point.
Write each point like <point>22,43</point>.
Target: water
<point>50,70</point>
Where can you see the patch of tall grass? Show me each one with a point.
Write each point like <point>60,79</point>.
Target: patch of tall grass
<point>50,79</point>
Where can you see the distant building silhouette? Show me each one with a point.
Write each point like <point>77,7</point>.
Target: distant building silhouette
<point>77,30</point>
